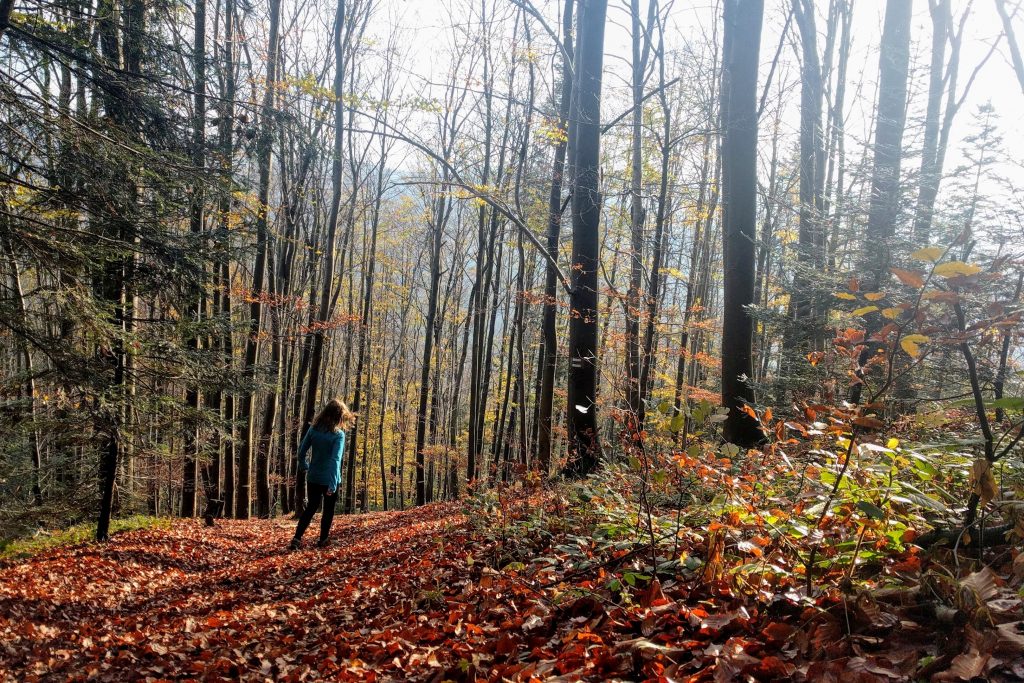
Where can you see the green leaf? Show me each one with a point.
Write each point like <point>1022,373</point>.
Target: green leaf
<point>871,510</point>
<point>678,420</point>
<point>925,470</point>
<point>1006,403</point>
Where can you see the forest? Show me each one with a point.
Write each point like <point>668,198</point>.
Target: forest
<point>683,339</point>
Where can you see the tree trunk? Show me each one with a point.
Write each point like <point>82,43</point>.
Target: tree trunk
<point>192,397</point>
<point>422,416</point>
<point>811,246</point>
<point>641,44</point>
<point>660,236</point>
<point>264,147</point>
<point>584,441</point>
<point>111,285</point>
<point>371,262</point>
<point>225,402</point>
<point>325,310</point>
<point>885,179</point>
<point>549,344</point>
<point>741,46</point>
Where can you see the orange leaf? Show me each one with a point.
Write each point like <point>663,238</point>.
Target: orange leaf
<point>868,422</point>
<point>911,278</point>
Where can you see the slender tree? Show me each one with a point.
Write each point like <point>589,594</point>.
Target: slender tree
<point>196,218</point>
<point>894,62</point>
<point>325,307</point>
<point>264,147</point>
<point>549,341</point>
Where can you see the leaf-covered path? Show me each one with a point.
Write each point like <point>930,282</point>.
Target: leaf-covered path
<point>232,602</point>
<point>409,596</point>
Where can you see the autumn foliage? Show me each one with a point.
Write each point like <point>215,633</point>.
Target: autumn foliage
<point>508,586</point>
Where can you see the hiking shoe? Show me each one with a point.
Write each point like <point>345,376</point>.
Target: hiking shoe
<point>296,544</point>
<point>323,543</point>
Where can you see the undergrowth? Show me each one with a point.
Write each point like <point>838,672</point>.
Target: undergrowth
<point>21,548</point>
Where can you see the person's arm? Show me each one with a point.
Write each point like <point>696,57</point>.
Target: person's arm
<point>339,445</point>
<point>304,448</point>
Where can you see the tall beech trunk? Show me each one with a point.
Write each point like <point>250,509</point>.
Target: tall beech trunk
<point>422,415</point>
<point>811,246</point>
<point>549,343</point>
<point>371,263</point>
<point>894,61</point>
<point>225,402</point>
<point>29,384</point>
<point>660,236</point>
<point>942,80</point>
<point>1011,39</point>
<point>584,441</point>
<point>265,441</point>
<point>264,147</point>
<point>325,309</point>
<point>834,191</point>
<point>741,47</point>
<point>641,45</point>
<point>197,212</point>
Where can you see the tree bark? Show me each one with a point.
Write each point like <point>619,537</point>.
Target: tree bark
<point>264,148</point>
<point>584,442</point>
<point>325,310</point>
<point>885,179</point>
<point>741,47</point>
<point>192,396</point>
<point>549,343</point>
<point>641,45</point>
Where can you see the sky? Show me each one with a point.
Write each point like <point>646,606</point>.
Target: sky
<point>426,27</point>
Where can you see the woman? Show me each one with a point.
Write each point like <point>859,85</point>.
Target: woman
<point>326,438</point>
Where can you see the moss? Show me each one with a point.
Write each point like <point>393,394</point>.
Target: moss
<point>21,548</point>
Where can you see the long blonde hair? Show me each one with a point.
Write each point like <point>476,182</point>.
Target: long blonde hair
<point>334,417</point>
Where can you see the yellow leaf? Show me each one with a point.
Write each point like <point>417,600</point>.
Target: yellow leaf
<point>864,310</point>
<point>891,313</point>
<point>845,296</point>
<point>956,269</point>
<point>891,444</point>
<point>911,278</point>
<point>874,296</point>
<point>932,254</point>
<point>910,344</point>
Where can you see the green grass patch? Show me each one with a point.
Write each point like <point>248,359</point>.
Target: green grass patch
<point>21,548</point>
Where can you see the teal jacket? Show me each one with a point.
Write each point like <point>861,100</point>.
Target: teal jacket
<point>324,467</point>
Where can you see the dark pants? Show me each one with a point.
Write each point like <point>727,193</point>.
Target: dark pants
<point>317,493</point>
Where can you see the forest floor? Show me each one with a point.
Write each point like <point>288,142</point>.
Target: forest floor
<point>413,596</point>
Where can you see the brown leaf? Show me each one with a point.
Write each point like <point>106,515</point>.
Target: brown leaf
<point>983,482</point>
<point>868,422</point>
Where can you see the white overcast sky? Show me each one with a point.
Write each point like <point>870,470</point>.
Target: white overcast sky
<point>426,29</point>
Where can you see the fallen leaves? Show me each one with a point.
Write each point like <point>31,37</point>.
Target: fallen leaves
<point>412,596</point>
